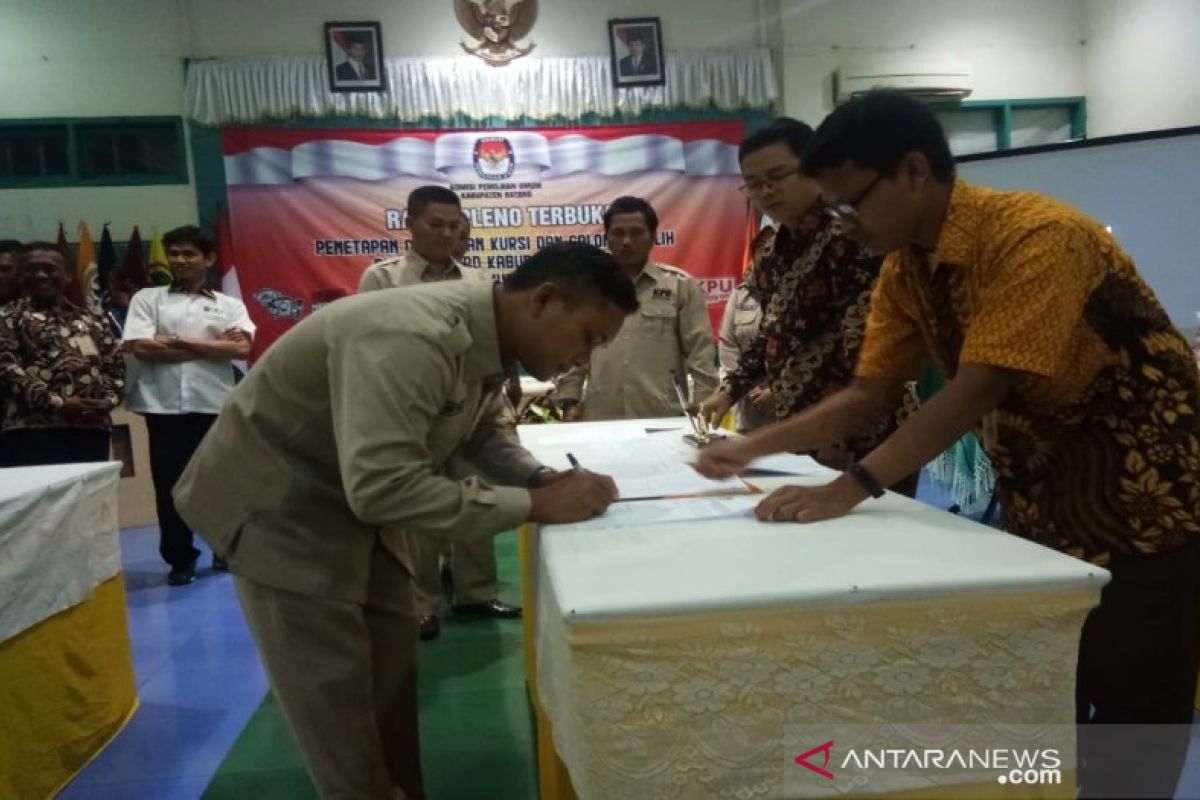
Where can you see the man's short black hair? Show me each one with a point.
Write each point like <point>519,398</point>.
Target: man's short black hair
<point>420,198</point>
<point>635,35</point>
<point>583,272</point>
<point>631,205</point>
<point>876,130</point>
<point>792,132</point>
<point>22,252</point>
<point>189,234</point>
<point>9,246</point>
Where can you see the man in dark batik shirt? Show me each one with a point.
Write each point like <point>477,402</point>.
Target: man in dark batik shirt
<point>815,292</point>
<point>61,367</point>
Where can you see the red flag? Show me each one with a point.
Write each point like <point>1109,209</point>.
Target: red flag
<point>752,226</point>
<point>226,260</point>
<point>133,269</point>
<point>226,264</point>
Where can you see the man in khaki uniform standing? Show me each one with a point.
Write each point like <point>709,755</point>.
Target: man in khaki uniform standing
<point>338,449</point>
<point>671,336</point>
<point>436,221</point>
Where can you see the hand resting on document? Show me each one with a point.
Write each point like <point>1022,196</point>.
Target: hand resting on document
<point>571,496</point>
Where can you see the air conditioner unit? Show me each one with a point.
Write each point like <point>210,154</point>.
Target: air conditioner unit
<point>921,76</point>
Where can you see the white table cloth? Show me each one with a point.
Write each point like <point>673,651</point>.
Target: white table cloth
<point>691,660</point>
<point>58,539</point>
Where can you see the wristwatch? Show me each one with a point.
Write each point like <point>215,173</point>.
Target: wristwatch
<point>538,473</point>
<point>866,479</point>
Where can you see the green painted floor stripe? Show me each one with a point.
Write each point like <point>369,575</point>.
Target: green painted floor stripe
<point>476,730</point>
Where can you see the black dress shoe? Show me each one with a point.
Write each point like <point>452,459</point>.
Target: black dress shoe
<point>182,575</point>
<point>430,627</point>
<point>492,608</point>
<point>220,564</point>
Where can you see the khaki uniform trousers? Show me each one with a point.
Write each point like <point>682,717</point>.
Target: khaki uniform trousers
<point>345,676</point>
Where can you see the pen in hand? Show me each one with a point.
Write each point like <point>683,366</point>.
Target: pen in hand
<point>574,462</point>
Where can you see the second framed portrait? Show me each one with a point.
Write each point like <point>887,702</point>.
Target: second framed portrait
<point>354,51</point>
<point>637,52</point>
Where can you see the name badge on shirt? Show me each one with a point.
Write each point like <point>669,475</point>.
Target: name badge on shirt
<point>661,294</point>
<point>85,345</point>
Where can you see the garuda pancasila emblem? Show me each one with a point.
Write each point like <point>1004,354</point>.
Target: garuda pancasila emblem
<point>496,26</point>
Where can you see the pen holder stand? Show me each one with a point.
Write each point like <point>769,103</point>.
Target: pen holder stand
<point>696,441</point>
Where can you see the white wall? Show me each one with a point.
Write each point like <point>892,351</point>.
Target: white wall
<point>72,58</point>
<point>224,28</point>
<point>1140,66</point>
<point>79,58</point>
<point>1153,213</point>
<point>1017,48</point>
<point>1142,69</point>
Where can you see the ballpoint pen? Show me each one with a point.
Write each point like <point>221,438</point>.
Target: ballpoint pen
<point>574,461</point>
<point>697,428</point>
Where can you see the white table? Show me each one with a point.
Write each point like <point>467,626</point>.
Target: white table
<point>63,629</point>
<point>692,660</point>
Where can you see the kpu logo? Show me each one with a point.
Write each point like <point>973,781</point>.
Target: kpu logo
<point>493,158</point>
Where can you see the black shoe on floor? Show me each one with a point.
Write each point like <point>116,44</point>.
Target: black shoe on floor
<point>494,609</point>
<point>431,628</point>
<point>220,564</point>
<point>182,575</point>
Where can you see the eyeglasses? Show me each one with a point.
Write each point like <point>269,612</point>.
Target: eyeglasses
<point>847,212</point>
<point>756,188</point>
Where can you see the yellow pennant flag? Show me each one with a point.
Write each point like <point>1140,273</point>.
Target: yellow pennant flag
<point>87,275</point>
<point>157,266</point>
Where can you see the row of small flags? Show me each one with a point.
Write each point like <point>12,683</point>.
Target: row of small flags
<point>97,272</point>
<point>96,269</point>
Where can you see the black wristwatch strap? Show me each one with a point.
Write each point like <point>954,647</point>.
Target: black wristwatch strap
<point>864,477</point>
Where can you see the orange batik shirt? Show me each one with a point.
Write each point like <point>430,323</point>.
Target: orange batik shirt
<point>1097,449</point>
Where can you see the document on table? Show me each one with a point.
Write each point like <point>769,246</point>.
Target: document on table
<point>657,465</point>
<point>657,512</point>
<point>578,435</point>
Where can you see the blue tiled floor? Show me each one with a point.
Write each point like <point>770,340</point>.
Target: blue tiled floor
<point>200,682</point>
<point>198,677</point>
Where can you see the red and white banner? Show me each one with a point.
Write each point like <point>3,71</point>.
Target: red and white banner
<point>311,209</point>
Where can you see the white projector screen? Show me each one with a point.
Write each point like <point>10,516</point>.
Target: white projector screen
<point>1148,191</point>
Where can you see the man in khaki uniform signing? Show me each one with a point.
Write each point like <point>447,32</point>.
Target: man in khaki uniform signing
<point>436,221</point>
<point>671,336</point>
<point>338,449</point>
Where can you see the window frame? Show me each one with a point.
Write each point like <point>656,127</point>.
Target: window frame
<point>1002,114</point>
<point>178,173</point>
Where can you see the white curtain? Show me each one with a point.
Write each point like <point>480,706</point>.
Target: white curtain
<point>252,90</point>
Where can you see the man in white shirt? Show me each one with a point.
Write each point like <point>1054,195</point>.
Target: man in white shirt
<point>183,338</point>
<point>436,221</point>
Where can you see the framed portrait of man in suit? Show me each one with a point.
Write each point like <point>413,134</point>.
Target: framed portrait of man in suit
<point>637,52</point>
<point>354,52</point>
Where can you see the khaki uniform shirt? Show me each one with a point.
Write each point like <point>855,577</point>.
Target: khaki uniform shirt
<point>739,327</point>
<point>631,377</point>
<point>346,433</point>
<point>412,269</point>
